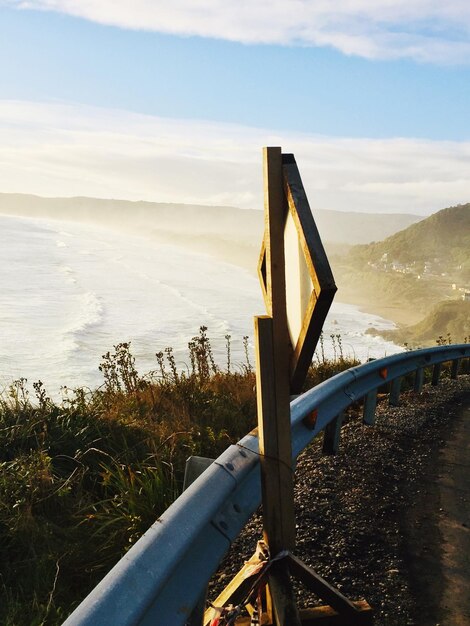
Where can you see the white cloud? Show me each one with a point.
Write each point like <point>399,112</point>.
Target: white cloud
<point>425,30</point>
<point>55,149</point>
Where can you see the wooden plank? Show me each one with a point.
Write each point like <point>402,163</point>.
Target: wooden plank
<point>321,588</point>
<point>240,585</point>
<point>275,216</point>
<point>324,287</point>
<point>285,611</point>
<point>302,214</point>
<point>275,446</point>
<point>273,358</point>
<point>275,211</point>
<point>326,616</point>
<point>454,372</point>
<point>302,356</point>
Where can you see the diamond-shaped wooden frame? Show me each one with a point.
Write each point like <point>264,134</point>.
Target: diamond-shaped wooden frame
<point>324,287</point>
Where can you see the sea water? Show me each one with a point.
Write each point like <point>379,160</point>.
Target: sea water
<point>69,292</point>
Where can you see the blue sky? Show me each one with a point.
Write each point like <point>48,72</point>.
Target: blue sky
<point>175,103</point>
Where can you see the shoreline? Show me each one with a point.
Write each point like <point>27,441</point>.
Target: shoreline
<point>399,315</point>
<point>245,254</point>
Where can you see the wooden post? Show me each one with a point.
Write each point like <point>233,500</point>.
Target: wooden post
<point>284,607</point>
<point>272,372</point>
<point>275,363</point>
<point>275,447</point>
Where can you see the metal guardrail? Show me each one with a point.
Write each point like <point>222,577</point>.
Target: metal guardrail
<point>163,576</point>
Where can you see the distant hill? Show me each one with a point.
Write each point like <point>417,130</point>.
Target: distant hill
<point>183,220</point>
<point>353,228</point>
<point>413,272</point>
<point>441,241</point>
<point>395,265</point>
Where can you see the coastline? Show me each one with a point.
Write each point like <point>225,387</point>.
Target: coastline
<point>245,256</point>
<point>399,315</point>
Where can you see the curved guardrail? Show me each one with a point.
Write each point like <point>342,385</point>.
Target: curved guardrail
<point>162,577</point>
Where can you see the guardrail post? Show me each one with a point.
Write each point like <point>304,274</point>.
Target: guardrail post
<point>394,399</point>
<point>194,467</point>
<point>370,405</point>
<point>436,372</point>
<point>332,435</point>
<point>419,378</point>
<point>454,372</point>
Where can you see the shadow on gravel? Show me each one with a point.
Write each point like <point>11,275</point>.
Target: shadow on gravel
<point>368,518</point>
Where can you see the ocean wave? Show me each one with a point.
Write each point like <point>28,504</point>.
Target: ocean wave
<point>89,313</point>
<point>104,288</point>
<point>69,274</point>
<point>204,312</point>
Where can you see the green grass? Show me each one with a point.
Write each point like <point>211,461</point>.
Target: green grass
<point>81,480</point>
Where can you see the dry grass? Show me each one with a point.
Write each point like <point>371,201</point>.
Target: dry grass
<point>81,480</point>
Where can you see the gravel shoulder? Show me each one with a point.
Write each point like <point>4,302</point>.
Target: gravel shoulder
<point>386,519</point>
<point>454,521</point>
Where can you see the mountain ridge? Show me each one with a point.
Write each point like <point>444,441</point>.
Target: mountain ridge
<point>244,225</point>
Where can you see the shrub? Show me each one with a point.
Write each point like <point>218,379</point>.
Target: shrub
<point>81,480</point>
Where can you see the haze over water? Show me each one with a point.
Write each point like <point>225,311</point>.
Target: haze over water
<point>72,291</point>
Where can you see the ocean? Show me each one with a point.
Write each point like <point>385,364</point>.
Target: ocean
<point>69,292</point>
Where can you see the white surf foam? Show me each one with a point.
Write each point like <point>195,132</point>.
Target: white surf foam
<point>62,307</point>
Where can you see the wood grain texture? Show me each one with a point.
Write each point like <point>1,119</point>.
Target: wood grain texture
<point>274,445</point>
<point>324,287</point>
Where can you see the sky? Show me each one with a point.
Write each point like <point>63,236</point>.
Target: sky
<point>173,102</point>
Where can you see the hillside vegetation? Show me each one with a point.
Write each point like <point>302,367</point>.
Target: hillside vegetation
<point>82,480</point>
<point>442,241</point>
<point>424,268</point>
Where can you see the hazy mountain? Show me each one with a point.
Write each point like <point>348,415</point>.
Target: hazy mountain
<point>182,220</point>
<point>401,277</point>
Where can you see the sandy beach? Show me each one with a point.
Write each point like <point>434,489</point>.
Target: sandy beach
<point>400,315</point>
